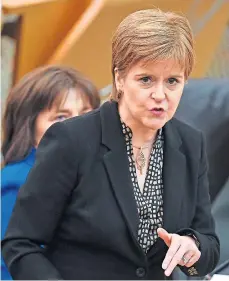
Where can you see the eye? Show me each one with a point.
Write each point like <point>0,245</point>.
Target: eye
<point>172,81</point>
<point>146,80</point>
<point>60,118</point>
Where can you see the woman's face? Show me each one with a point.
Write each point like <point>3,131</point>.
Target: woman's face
<point>75,104</point>
<point>150,93</point>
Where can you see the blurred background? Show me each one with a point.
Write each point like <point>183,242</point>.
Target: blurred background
<point>78,33</point>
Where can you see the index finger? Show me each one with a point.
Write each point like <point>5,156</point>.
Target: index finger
<point>175,245</point>
<point>175,261</point>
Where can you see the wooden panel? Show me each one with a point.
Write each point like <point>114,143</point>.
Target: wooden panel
<point>20,6</point>
<point>90,51</point>
<point>19,3</point>
<point>80,26</point>
<point>43,28</point>
<point>210,36</point>
<point>78,32</point>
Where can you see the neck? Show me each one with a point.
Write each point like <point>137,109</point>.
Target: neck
<point>142,136</point>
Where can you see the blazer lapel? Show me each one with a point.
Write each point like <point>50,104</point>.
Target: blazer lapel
<point>174,173</point>
<point>117,166</point>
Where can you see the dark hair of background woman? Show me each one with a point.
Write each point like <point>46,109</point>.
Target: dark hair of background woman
<point>36,91</point>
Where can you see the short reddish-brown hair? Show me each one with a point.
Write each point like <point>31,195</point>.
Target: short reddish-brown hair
<point>151,35</point>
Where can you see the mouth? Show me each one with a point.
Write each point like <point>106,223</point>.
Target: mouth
<point>158,111</point>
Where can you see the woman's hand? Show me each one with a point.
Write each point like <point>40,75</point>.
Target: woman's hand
<point>182,251</point>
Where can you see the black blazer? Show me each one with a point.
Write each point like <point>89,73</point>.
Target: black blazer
<point>78,203</point>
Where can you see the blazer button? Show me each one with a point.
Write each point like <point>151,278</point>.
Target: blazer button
<point>140,272</point>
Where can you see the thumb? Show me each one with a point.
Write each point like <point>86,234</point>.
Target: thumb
<point>164,235</point>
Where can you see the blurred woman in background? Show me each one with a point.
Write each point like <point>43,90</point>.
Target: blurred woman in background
<point>43,97</point>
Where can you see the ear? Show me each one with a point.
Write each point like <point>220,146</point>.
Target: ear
<point>118,80</point>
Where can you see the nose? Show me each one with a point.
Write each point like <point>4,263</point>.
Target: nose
<point>158,93</point>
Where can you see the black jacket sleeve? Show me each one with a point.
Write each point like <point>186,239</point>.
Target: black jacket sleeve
<point>203,226</point>
<point>39,206</point>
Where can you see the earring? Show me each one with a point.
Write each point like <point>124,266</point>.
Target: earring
<point>119,94</point>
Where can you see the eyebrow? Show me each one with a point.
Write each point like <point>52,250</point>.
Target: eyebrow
<point>147,74</point>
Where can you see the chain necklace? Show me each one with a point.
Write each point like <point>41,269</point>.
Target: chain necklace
<point>140,158</point>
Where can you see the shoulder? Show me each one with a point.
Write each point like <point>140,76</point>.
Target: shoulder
<point>191,138</point>
<point>86,121</point>
<point>83,128</point>
<point>90,124</point>
<point>14,175</point>
<point>185,129</point>
<point>72,138</point>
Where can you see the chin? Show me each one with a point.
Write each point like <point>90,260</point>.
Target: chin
<point>154,127</point>
<point>154,124</point>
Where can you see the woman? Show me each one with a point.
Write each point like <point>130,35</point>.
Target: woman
<point>43,97</point>
<point>127,198</point>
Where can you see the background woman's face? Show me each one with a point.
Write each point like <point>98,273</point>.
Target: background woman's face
<point>75,104</point>
<point>151,92</point>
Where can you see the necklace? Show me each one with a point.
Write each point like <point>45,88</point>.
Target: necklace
<point>140,158</point>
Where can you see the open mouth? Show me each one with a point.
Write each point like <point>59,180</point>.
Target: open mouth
<point>158,111</point>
